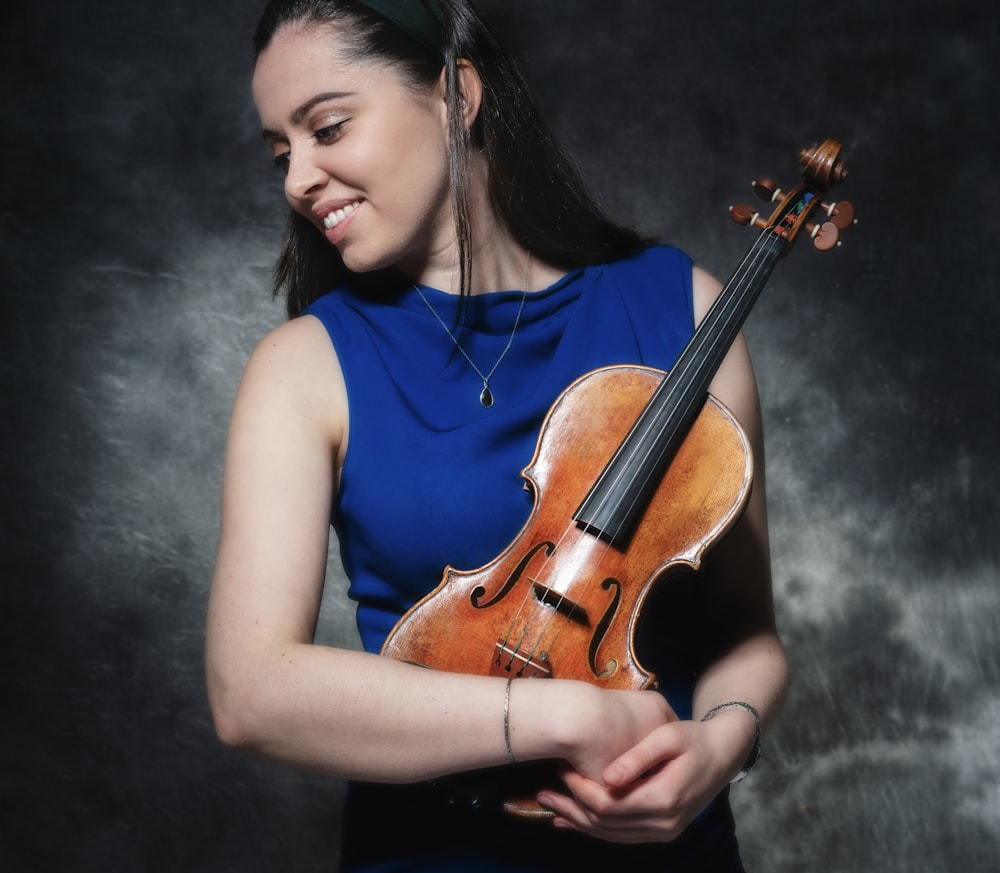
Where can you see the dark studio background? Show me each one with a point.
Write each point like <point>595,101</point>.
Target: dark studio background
<point>139,222</point>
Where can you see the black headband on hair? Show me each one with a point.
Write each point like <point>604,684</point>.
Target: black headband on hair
<point>421,19</point>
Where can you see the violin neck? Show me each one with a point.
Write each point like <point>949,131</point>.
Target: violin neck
<point>686,385</point>
<point>615,505</point>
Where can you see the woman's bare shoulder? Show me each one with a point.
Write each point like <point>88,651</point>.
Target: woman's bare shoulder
<point>293,374</point>
<point>298,345</point>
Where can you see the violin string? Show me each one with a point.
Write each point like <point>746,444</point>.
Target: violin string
<point>754,263</point>
<point>751,258</point>
<point>768,243</point>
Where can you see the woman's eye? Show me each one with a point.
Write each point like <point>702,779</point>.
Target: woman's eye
<point>323,136</point>
<point>280,162</point>
<point>329,133</point>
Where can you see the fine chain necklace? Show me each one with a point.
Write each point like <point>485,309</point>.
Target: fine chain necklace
<point>486,395</point>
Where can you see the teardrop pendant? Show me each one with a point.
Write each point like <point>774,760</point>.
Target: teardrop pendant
<point>485,396</point>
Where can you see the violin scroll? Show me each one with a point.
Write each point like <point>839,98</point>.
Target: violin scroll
<point>823,168</point>
<point>822,163</point>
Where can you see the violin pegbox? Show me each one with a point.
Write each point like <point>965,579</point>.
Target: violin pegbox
<point>823,169</point>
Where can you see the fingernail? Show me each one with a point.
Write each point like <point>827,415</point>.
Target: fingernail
<point>614,774</point>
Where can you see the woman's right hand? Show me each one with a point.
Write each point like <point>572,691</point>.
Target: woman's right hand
<point>619,721</point>
<point>590,727</point>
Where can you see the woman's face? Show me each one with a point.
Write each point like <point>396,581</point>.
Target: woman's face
<point>365,157</point>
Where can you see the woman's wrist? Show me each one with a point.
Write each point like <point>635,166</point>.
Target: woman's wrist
<point>545,718</point>
<point>744,735</point>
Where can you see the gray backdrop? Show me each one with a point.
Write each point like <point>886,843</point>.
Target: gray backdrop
<point>139,220</point>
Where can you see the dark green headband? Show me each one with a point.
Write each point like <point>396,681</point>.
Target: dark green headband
<point>421,19</point>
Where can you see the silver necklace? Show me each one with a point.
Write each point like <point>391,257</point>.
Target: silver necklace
<point>486,395</point>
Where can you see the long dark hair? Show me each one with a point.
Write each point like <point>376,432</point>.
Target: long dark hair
<point>534,188</point>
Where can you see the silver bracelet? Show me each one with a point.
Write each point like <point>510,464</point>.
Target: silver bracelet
<point>506,721</point>
<point>754,755</point>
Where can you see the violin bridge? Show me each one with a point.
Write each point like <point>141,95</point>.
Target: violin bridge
<point>524,666</point>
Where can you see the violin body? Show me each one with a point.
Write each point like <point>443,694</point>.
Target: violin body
<point>559,601</point>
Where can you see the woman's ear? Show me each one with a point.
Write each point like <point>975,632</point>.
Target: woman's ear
<point>470,92</point>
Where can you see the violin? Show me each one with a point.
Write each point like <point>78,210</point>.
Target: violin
<point>636,473</point>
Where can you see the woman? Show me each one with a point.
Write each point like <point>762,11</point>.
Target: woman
<point>448,275</point>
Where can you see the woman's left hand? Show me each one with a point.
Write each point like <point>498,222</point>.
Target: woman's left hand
<point>652,792</point>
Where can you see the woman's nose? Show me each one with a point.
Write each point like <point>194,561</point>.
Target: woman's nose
<point>303,176</point>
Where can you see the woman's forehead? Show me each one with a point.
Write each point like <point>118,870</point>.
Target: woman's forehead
<point>300,62</point>
<point>297,47</point>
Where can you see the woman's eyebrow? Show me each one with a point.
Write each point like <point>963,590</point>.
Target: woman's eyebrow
<point>299,114</point>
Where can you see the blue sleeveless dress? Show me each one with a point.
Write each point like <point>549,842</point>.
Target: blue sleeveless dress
<point>432,478</point>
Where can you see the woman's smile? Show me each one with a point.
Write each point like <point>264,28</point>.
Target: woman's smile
<point>338,215</point>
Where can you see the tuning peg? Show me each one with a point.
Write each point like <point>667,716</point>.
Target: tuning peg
<point>841,214</point>
<point>767,190</point>
<point>744,214</point>
<point>825,236</point>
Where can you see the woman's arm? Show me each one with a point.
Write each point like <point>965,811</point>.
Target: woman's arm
<point>349,713</point>
<point>749,661</point>
<point>656,789</point>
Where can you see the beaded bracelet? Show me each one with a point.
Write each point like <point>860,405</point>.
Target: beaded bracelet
<point>754,755</point>
<point>506,721</point>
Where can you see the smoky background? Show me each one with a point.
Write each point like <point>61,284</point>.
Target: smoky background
<point>138,223</point>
